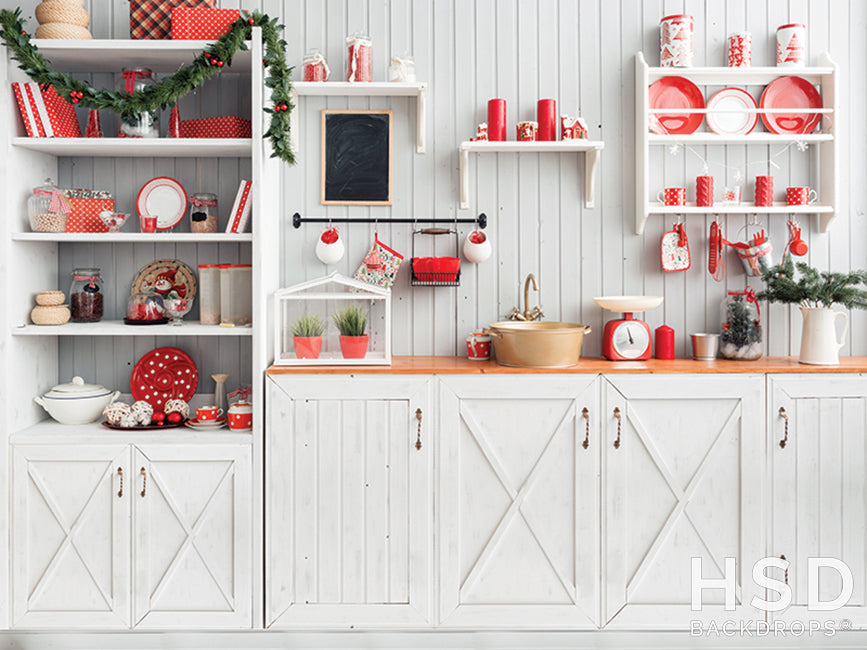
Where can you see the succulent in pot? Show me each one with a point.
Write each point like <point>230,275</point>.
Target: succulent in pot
<point>76,402</point>
<point>351,322</point>
<point>307,336</point>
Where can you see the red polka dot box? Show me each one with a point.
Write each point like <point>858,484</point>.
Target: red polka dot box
<point>230,126</point>
<point>164,374</point>
<point>85,206</point>
<point>200,24</point>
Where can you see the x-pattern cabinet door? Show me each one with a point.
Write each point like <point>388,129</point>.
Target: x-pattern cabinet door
<point>683,477</point>
<point>192,533</point>
<point>518,502</point>
<point>70,536</point>
<point>817,444</point>
<point>349,502</point>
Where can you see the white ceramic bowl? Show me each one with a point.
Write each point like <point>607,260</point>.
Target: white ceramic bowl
<point>76,402</point>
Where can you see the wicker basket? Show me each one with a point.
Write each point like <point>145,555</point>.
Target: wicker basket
<point>50,298</point>
<point>50,315</point>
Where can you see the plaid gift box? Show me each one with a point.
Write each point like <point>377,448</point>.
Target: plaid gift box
<point>152,19</point>
<point>230,126</point>
<point>191,24</point>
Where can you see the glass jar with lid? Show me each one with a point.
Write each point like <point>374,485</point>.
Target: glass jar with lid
<point>86,301</point>
<point>741,327</point>
<point>47,208</point>
<point>203,212</point>
<point>315,67</point>
<point>145,124</point>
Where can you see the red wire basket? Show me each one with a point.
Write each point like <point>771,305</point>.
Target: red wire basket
<point>435,271</point>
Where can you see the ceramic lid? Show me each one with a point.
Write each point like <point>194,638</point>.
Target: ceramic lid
<point>77,388</point>
<point>241,407</point>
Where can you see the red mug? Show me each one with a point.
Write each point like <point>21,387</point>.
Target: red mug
<point>672,196</point>
<point>764,191</point>
<point>800,196</point>
<point>147,223</point>
<point>478,347</point>
<point>208,413</point>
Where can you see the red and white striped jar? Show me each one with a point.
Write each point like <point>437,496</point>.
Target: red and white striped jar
<point>740,50</point>
<point>675,41</point>
<point>791,40</point>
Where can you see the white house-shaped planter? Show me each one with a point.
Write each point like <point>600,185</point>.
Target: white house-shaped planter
<point>324,297</point>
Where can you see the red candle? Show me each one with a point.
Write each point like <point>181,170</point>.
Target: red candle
<point>497,119</point>
<point>546,115</point>
<point>664,342</point>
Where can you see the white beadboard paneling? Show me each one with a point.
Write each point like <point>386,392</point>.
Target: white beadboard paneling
<point>580,52</point>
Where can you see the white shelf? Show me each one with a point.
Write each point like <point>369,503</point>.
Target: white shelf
<point>334,359</point>
<point>749,138</point>
<point>140,147</point>
<point>361,89</point>
<point>777,208</point>
<point>133,237</point>
<point>591,148</point>
<point>52,431</point>
<point>119,328</point>
<point>112,55</point>
<point>724,76</point>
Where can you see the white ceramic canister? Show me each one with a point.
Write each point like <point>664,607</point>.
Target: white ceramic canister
<point>791,40</point>
<point>675,41</point>
<point>477,247</point>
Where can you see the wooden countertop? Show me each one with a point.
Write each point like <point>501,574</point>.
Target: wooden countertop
<point>463,366</point>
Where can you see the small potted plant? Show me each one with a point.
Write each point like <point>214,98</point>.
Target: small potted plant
<point>351,322</point>
<point>307,336</point>
<point>816,292</point>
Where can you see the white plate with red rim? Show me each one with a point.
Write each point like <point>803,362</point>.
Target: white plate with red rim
<point>737,118</point>
<point>164,198</point>
<point>219,423</point>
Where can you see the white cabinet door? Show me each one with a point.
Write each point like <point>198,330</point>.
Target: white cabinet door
<point>192,529</point>
<point>683,477</point>
<point>819,483</point>
<point>518,501</point>
<point>349,502</point>
<point>70,536</point>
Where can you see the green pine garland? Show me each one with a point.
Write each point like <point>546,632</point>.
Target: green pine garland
<point>166,92</point>
<point>814,288</point>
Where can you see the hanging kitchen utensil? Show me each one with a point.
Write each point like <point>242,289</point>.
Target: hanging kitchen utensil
<point>715,262</point>
<point>795,245</point>
<point>380,266</point>
<point>435,271</point>
<point>755,254</point>
<point>674,250</point>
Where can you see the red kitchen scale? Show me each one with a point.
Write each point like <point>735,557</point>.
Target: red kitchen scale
<point>627,339</point>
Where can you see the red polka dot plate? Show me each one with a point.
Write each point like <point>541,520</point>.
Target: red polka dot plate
<point>164,374</point>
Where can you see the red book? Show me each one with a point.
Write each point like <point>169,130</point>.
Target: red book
<point>240,214</point>
<point>57,115</point>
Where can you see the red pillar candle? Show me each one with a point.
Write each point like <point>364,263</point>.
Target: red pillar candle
<point>497,120</point>
<point>664,342</point>
<point>546,115</point>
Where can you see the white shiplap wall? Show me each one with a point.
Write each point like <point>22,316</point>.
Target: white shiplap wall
<point>580,52</point>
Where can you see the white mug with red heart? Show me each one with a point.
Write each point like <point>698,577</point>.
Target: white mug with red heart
<point>477,247</point>
<point>208,413</point>
<point>672,196</point>
<point>800,196</point>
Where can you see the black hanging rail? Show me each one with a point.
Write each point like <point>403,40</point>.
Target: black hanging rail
<point>297,220</point>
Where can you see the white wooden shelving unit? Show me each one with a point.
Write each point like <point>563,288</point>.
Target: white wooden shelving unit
<point>823,141</point>
<point>30,355</point>
<point>591,148</point>
<point>363,89</point>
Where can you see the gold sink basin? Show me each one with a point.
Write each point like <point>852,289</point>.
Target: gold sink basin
<point>537,344</point>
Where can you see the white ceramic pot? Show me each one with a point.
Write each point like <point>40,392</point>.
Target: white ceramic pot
<point>819,342</point>
<point>329,253</point>
<point>477,247</point>
<point>76,402</point>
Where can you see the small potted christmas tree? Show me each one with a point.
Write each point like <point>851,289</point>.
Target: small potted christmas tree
<point>352,322</point>
<point>307,336</point>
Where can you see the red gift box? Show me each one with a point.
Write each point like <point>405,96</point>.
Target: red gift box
<point>230,126</point>
<point>45,113</point>
<point>152,19</point>
<point>197,24</point>
<point>85,206</point>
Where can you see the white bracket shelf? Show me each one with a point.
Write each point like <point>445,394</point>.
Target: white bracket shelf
<point>361,89</point>
<point>591,148</point>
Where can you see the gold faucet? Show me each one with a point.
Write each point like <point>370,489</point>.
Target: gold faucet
<point>528,315</point>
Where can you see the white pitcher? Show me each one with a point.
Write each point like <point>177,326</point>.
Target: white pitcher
<point>819,343</point>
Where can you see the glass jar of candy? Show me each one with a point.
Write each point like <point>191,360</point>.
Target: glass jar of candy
<point>741,327</point>
<point>86,300</point>
<point>315,68</point>
<point>145,124</point>
<point>47,208</point>
<point>358,60</point>
<point>203,212</point>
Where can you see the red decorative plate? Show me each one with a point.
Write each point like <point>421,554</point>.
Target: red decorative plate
<point>164,374</point>
<point>795,93</point>
<point>732,123</point>
<point>164,198</point>
<point>674,93</point>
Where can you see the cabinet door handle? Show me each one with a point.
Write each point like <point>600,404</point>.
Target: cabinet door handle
<point>785,439</point>
<point>585,413</point>
<point>617,415</point>
<point>144,482</point>
<point>120,475</point>
<point>418,415</point>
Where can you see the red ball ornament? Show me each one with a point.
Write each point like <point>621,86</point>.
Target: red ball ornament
<point>219,64</point>
<point>158,418</point>
<point>174,417</point>
<point>251,21</point>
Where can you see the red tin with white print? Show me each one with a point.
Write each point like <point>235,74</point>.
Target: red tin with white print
<point>675,41</point>
<point>240,416</point>
<point>740,50</point>
<point>791,40</point>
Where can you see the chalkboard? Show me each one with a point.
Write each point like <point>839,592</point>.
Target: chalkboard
<point>356,157</point>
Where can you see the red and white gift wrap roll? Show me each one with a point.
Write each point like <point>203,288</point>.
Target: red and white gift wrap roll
<point>546,114</point>
<point>740,50</point>
<point>358,65</point>
<point>764,190</point>
<point>497,120</point>
<point>315,67</point>
<point>675,41</point>
<point>704,191</point>
<point>527,131</point>
<point>791,39</point>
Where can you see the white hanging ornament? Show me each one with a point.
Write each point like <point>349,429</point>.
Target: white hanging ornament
<point>329,247</point>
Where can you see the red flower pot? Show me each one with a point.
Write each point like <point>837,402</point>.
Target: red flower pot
<point>307,347</point>
<point>354,347</point>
